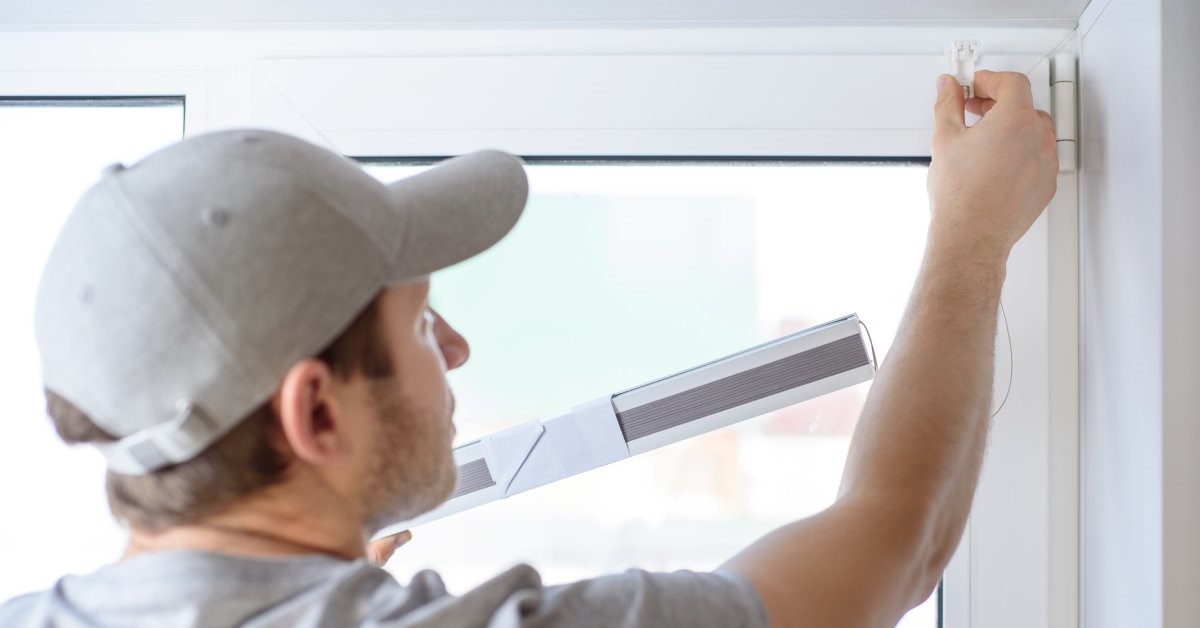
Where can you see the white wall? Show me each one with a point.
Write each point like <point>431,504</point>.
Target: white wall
<point>1181,304</point>
<point>1121,275</point>
<point>1139,281</point>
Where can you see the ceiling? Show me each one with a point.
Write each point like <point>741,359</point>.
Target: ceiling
<point>89,14</point>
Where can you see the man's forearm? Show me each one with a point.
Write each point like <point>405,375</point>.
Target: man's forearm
<point>920,439</point>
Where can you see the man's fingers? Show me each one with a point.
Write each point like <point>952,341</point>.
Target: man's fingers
<point>948,111</point>
<point>380,551</point>
<point>1046,119</point>
<point>1006,87</point>
<point>979,106</point>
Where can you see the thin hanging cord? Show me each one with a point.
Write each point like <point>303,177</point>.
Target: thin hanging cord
<point>871,341</point>
<point>1008,336</point>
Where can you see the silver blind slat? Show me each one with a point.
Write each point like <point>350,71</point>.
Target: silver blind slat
<point>745,387</point>
<point>473,476</point>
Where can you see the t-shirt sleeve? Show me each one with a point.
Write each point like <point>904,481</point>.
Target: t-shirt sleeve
<point>635,598</point>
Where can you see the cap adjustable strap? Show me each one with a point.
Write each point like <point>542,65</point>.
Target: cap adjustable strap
<point>188,432</point>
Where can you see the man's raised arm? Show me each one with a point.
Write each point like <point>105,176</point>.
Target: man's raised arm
<point>914,459</point>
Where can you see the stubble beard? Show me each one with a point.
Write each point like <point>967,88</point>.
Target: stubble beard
<point>411,468</point>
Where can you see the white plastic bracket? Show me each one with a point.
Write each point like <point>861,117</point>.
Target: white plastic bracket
<point>962,55</point>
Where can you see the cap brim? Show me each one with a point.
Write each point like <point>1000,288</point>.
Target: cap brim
<point>457,209</point>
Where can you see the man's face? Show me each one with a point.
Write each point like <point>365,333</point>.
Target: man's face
<point>408,466</point>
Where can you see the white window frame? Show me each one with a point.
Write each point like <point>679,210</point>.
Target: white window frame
<point>831,91</point>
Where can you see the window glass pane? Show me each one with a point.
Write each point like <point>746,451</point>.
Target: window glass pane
<point>619,274</point>
<point>57,520</point>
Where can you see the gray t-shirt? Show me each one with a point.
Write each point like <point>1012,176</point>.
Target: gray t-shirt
<point>184,588</point>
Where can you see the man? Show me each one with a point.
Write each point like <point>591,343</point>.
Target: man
<point>240,324</point>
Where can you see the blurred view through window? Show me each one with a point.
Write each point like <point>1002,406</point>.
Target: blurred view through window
<point>621,273</point>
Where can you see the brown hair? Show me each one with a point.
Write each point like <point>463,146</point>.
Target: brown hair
<point>245,460</point>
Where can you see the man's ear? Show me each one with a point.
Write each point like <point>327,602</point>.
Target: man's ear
<point>310,414</point>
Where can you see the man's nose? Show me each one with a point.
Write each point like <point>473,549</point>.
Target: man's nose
<point>455,349</point>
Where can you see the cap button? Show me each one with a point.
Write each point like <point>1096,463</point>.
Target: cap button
<point>214,216</point>
<point>113,168</point>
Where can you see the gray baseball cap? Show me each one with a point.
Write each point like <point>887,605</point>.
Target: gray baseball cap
<point>182,289</point>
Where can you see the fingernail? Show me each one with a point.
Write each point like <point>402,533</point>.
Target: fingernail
<point>403,538</point>
<point>942,82</point>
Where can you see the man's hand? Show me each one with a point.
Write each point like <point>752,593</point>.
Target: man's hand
<point>987,184</point>
<point>380,551</point>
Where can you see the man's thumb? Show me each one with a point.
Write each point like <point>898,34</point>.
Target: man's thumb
<point>380,551</point>
<point>948,111</point>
